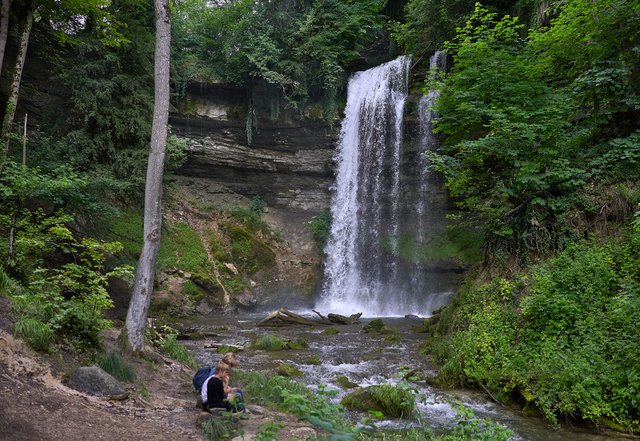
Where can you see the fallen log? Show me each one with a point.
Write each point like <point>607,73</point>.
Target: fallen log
<point>323,319</point>
<point>343,320</point>
<point>232,348</point>
<point>284,316</point>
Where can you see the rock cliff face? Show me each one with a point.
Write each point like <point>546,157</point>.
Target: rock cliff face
<point>288,162</point>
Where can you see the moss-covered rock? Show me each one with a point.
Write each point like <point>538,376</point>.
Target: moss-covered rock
<point>298,343</point>
<point>313,360</point>
<point>374,326</point>
<point>331,331</point>
<point>392,401</point>
<point>344,382</point>
<point>361,399</point>
<point>289,370</point>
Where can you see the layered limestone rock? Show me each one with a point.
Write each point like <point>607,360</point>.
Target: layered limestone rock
<point>289,161</point>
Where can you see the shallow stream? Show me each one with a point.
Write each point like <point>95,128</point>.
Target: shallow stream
<point>367,359</point>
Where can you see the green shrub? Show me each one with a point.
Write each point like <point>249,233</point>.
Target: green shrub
<point>269,343</point>
<point>219,428</point>
<point>114,364</point>
<point>78,315</point>
<point>320,227</point>
<point>563,338</point>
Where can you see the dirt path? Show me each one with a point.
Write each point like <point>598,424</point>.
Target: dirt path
<point>35,404</point>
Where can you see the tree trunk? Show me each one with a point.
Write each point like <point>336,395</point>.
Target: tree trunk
<point>12,101</point>
<point>143,285</point>
<point>4,28</point>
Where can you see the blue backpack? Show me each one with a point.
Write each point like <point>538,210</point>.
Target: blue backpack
<point>201,376</point>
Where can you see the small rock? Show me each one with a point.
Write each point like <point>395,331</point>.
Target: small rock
<point>231,267</point>
<point>255,409</point>
<point>94,381</point>
<point>303,433</point>
<point>203,307</point>
<point>412,316</point>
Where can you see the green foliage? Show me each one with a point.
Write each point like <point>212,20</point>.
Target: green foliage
<point>38,335</point>
<point>468,427</point>
<point>313,360</point>
<point>252,218</point>
<point>562,338</point>
<point>71,299</point>
<point>114,364</point>
<point>248,251</point>
<point>290,396</point>
<point>320,227</point>
<point>182,248</point>
<point>177,351</point>
<point>219,428</point>
<point>393,401</point>
<point>269,343</point>
<point>269,430</point>
<point>530,117</point>
<point>295,49</point>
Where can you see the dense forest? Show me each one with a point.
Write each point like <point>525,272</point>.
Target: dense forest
<point>539,148</point>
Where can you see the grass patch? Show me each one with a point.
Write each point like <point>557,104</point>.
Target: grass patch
<point>182,248</point>
<point>219,428</point>
<point>177,351</point>
<point>127,228</point>
<point>38,335</point>
<point>330,331</point>
<point>269,343</point>
<point>116,366</point>
<point>249,253</point>
<point>193,291</point>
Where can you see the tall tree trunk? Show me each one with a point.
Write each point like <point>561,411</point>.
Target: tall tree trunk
<point>12,101</point>
<point>143,285</point>
<point>4,27</point>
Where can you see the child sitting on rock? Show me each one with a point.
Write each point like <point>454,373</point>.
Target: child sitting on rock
<point>231,360</point>
<point>213,393</point>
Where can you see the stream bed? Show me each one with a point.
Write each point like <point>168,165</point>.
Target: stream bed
<point>367,359</point>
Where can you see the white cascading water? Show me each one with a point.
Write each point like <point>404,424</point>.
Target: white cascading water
<point>427,142</point>
<point>371,210</point>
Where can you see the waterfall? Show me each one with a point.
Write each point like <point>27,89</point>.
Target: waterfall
<point>365,268</point>
<point>427,142</point>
